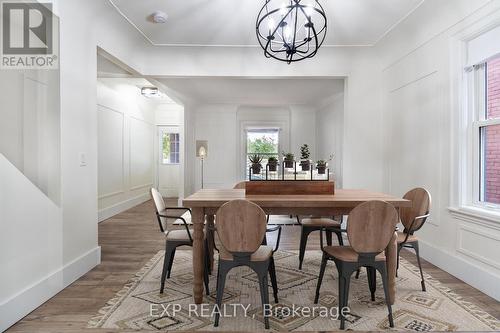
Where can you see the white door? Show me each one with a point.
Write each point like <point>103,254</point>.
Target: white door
<point>169,168</point>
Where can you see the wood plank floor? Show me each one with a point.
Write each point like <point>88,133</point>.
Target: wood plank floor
<point>128,241</point>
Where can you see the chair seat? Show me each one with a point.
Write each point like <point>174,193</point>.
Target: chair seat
<point>346,253</point>
<point>178,235</point>
<point>402,237</point>
<point>320,222</point>
<point>263,253</point>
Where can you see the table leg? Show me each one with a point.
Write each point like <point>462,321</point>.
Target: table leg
<point>197,219</point>
<point>210,236</point>
<point>391,262</point>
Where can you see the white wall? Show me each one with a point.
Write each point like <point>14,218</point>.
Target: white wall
<point>330,134</point>
<point>362,167</point>
<point>30,127</point>
<point>126,146</point>
<point>222,125</point>
<point>71,249</point>
<point>422,104</point>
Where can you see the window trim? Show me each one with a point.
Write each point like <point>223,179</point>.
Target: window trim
<point>256,129</point>
<point>476,120</point>
<point>461,164</point>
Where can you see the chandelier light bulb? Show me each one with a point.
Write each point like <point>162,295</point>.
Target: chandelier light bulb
<point>309,10</point>
<point>283,9</point>
<point>288,34</point>
<point>271,25</point>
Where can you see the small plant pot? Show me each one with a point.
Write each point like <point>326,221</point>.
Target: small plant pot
<point>321,170</point>
<point>256,168</point>
<point>306,165</point>
<point>288,164</point>
<point>273,166</point>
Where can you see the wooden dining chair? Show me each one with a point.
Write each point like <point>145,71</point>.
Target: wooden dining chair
<point>174,238</point>
<point>241,227</point>
<point>413,219</point>
<point>370,228</point>
<point>242,186</point>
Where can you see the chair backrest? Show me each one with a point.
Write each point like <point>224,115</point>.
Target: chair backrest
<point>240,186</point>
<point>421,205</point>
<point>160,207</point>
<point>241,226</point>
<point>370,226</point>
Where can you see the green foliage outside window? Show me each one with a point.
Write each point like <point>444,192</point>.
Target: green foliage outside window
<point>263,145</point>
<point>166,147</point>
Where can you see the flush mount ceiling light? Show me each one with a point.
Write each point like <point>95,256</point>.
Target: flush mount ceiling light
<point>291,30</point>
<point>150,92</point>
<point>159,17</point>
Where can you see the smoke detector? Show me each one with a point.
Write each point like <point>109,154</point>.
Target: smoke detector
<point>159,17</point>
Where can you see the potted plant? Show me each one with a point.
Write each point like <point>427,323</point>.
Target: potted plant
<point>273,163</point>
<point>288,158</point>
<point>322,164</point>
<point>256,161</point>
<point>305,163</point>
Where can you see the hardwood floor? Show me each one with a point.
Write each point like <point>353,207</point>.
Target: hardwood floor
<point>128,241</point>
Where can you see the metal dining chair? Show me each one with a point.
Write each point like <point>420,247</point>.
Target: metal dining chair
<point>413,219</point>
<point>241,228</point>
<point>174,238</point>
<point>370,228</point>
<point>312,224</point>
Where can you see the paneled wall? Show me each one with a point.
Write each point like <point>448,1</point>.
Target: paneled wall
<point>30,134</point>
<point>222,125</point>
<point>330,134</point>
<point>126,134</point>
<point>421,99</point>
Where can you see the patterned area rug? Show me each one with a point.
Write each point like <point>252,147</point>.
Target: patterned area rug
<point>139,305</point>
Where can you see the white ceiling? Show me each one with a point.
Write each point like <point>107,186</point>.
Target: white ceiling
<point>249,91</point>
<point>232,22</point>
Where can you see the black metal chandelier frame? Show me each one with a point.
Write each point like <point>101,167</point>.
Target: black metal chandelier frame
<point>290,51</point>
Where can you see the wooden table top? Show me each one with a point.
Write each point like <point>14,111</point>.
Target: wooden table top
<point>341,198</point>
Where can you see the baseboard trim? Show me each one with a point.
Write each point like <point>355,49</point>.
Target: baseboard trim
<point>477,277</point>
<point>21,304</point>
<point>118,208</point>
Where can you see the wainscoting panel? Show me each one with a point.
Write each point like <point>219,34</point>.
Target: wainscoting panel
<point>110,152</point>
<point>126,162</point>
<point>141,154</point>
<point>415,138</point>
<point>479,244</point>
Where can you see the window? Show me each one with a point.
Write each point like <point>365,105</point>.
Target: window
<point>264,142</point>
<point>486,129</point>
<point>169,147</point>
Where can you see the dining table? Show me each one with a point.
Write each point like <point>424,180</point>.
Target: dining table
<point>205,203</point>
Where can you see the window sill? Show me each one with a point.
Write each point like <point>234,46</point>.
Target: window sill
<point>476,215</point>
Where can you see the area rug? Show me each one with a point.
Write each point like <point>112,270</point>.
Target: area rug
<point>140,306</point>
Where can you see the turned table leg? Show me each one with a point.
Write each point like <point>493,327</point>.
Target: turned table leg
<point>197,219</point>
<point>211,240</point>
<point>391,262</point>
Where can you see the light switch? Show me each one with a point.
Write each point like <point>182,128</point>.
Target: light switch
<point>83,159</point>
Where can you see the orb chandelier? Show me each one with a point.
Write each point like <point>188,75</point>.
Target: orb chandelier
<point>291,30</point>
